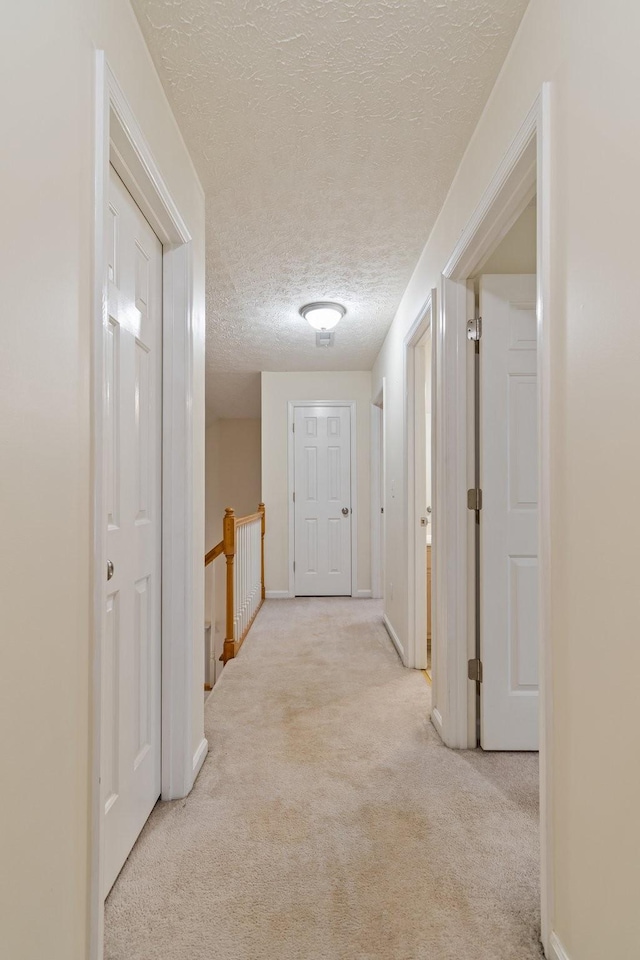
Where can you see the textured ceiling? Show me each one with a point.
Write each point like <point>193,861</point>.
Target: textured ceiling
<point>326,134</point>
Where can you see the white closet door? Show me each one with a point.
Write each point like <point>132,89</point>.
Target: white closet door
<point>133,433</point>
<point>509,516</point>
<point>322,465</point>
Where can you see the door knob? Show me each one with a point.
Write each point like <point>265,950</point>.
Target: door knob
<point>345,511</point>
<point>109,569</point>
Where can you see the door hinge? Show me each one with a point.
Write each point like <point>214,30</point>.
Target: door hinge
<point>475,670</point>
<point>294,496</point>
<point>474,499</point>
<point>474,329</point>
<point>294,566</point>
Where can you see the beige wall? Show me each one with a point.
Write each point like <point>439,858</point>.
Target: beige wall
<point>517,251</point>
<point>233,479</point>
<point>589,53</point>
<point>46,177</point>
<point>239,466</point>
<point>277,390</point>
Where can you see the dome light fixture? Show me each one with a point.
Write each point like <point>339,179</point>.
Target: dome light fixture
<point>323,315</point>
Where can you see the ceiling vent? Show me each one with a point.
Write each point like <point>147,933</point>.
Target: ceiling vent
<point>324,338</point>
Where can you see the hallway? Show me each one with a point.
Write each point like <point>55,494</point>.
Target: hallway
<point>329,821</point>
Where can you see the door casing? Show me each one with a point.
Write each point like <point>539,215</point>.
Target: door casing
<point>291,407</point>
<point>377,495</point>
<point>417,457</point>
<point>525,171</point>
<point>120,141</point>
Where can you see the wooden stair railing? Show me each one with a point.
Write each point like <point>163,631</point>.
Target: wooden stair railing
<point>243,546</point>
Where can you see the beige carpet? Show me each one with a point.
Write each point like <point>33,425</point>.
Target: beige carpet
<point>329,822</point>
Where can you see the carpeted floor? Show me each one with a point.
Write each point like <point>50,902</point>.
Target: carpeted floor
<point>329,822</point>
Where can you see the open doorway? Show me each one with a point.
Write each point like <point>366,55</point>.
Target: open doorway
<point>378,495</point>
<point>420,454</point>
<point>500,480</point>
<point>491,497</point>
<point>505,507</point>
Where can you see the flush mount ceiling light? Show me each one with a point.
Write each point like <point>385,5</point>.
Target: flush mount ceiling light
<point>323,315</point>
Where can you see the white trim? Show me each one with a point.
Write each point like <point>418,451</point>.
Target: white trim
<point>394,638</point>
<point>363,594</point>
<point>119,139</point>
<point>278,595</point>
<point>556,950</point>
<point>376,500</point>
<point>525,169</point>
<point>415,458</point>
<point>436,720</point>
<point>449,567</point>
<point>101,173</point>
<point>378,493</point>
<point>291,405</point>
<point>544,198</point>
<point>199,757</point>
<point>502,202</point>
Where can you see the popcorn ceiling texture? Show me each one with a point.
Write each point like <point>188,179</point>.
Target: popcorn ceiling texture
<point>326,134</point>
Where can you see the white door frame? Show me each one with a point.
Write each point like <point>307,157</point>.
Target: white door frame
<point>524,171</point>
<point>416,468</point>
<point>291,407</point>
<point>119,140</point>
<point>377,494</point>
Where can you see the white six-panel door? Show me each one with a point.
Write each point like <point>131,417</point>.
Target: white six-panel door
<point>509,516</point>
<point>130,774</point>
<point>322,509</point>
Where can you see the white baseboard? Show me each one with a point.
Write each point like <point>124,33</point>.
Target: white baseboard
<point>436,720</point>
<point>394,638</point>
<point>199,757</point>
<point>556,950</point>
<point>362,595</point>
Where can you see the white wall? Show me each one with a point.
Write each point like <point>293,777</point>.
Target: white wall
<point>233,479</point>
<point>277,390</point>
<point>46,179</point>
<point>590,57</point>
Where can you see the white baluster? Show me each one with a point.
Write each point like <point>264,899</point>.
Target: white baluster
<point>255,553</point>
<point>241,606</point>
<point>241,579</point>
<point>248,568</point>
<point>256,562</point>
<point>246,578</point>
<point>235,587</point>
<point>248,603</point>
<point>252,566</point>
<point>244,573</point>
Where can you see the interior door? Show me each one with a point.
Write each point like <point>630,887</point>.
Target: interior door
<point>509,515</point>
<point>322,508</point>
<point>130,775</point>
<point>421,466</point>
